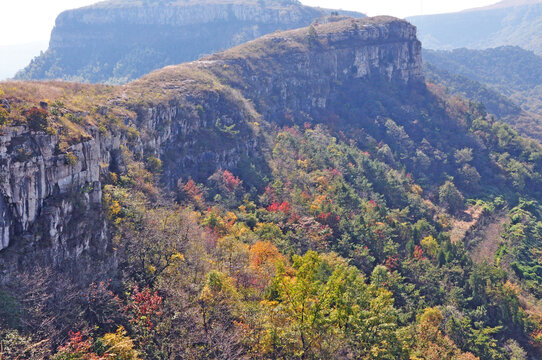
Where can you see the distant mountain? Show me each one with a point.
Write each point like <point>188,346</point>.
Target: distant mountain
<point>510,22</point>
<point>120,40</point>
<point>495,102</point>
<point>504,79</point>
<point>19,56</point>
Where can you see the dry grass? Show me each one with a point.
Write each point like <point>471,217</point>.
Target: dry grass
<point>485,250</point>
<point>460,226</point>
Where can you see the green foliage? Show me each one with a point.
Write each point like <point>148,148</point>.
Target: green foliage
<point>322,305</point>
<point>450,197</point>
<point>10,311</point>
<point>154,165</point>
<point>228,130</point>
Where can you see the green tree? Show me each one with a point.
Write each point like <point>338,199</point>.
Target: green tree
<point>450,197</point>
<point>324,307</point>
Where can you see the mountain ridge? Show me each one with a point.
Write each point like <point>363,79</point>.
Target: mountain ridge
<point>117,42</point>
<point>196,212</point>
<point>483,28</point>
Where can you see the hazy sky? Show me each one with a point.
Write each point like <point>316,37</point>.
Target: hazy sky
<point>25,21</point>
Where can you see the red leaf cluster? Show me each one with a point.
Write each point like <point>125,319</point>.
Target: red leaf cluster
<point>144,304</point>
<point>231,181</point>
<point>284,207</point>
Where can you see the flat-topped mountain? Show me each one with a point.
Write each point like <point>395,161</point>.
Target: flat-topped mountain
<point>117,41</point>
<point>513,22</point>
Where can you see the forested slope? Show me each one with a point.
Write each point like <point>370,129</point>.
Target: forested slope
<point>292,198</point>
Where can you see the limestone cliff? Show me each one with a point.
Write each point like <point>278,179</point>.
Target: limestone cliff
<point>196,117</point>
<point>117,41</point>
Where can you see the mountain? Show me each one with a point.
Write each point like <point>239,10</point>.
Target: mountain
<point>510,71</point>
<point>516,23</point>
<point>121,40</point>
<point>303,195</point>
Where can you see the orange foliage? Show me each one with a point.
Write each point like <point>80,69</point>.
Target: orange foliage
<point>263,259</point>
<point>193,191</point>
<point>231,181</point>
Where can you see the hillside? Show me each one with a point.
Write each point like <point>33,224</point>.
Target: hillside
<point>516,23</point>
<point>121,40</point>
<point>290,198</point>
<point>511,72</point>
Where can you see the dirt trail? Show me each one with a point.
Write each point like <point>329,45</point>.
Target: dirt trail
<point>491,239</point>
<point>480,233</point>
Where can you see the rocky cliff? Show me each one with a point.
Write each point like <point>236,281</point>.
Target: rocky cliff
<point>117,41</point>
<point>196,117</point>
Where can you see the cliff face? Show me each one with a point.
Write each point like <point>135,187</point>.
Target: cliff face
<point>118,41</point>
<point>197,118</point>
<point>50,208</point>
<point>348,55</point>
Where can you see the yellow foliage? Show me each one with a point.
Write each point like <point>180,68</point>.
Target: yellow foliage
<point>231,217</point>
<point>417,189</point>
<point>178,256</point>
<point>114,209</point>
<point>318,202</point>
<point>303,163</point>
<point>119,346</point>
<point>262,253</point>
<point>430,245</point>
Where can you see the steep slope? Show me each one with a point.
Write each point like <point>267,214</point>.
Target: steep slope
<point>495,102</point>
<point>181,118</point>
<point>118,41</point>
<point>512,72</point>
<point>308,172</point>
<point>507,23</point>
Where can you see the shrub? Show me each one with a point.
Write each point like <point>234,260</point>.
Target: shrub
<point>10,310</point>
<point>117,346</point>
<point>4,116</point>
<point>154,165</point>
<point>450,197</point>
<point>70,159</point>
<point>36,119</point>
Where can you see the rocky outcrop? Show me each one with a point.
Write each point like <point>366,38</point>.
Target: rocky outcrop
<point>197,118</point>
<point>322,62</point>
<point>117,41</point>
<point>42,190</point>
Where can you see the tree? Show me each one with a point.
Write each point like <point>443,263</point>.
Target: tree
<point>463,156</point>
<point>321,307</point>
<point>450,197</point>
<point>431,343</point>
<point>117,345</point>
